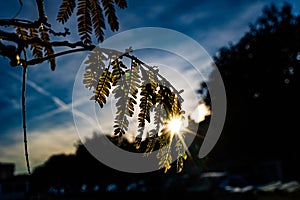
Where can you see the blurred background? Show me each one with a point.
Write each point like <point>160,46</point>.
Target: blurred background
<point>255,46</point>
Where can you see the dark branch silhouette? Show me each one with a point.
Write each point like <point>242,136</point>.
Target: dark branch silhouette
<point>129,81</point>
<point>35,36</point>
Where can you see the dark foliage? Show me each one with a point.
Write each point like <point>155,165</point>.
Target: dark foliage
<point>74,170</point>
<point>261,77</point>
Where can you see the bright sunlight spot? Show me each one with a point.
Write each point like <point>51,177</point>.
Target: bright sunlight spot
<point>175,125</point>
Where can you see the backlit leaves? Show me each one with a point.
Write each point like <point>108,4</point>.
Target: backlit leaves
<point>103,88</point>
<point>137,88</point>
<point>160,116</point>
<point>121,93</point>
<point>94,68</point>
<point>117,71</point>
<point>181,155</point>
<point>148,97</point>
<point>164,152</point>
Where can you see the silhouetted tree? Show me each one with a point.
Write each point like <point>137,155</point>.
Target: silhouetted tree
<point>82,168</point>
<point>261,77</point>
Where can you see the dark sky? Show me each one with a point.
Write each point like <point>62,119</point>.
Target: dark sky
<point>51,127</point>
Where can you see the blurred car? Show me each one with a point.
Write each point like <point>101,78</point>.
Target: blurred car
<point>278,186</point>
<point>236,184</point>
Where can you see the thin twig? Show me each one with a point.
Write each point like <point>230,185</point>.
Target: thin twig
<point>24,116</point>
<point>24,64</point>
<point>19,23</point>
<point>160,76</point>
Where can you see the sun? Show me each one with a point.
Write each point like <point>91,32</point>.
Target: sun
<point>174,125</point>
<point>177,124</point>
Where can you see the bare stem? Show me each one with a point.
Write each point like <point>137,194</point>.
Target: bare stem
<point>40,60</point>
<point>24,116</point>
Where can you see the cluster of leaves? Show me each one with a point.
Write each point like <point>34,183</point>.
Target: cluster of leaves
<point>28,42</point>
<point>137,85</point>
<point>38,40</point>
<point>90,16</point>
<point>137,88</point>
<point>34,37</point>
<point>163,143</point>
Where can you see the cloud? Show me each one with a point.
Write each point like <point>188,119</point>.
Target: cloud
<point>219,28</point>
<point>211,23</point>
<point>62,106</point>
<point>41,145</point>
<point>49,96</point>
<point>190,18</point>
<point>48,133</point>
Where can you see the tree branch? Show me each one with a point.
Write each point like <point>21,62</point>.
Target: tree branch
<point>40,60</point>
<point>151,68</point>
<point>12,37</point>
<point>26,23</point>
<point>20,23</point>
<point>64,34</point>
<point>71,45</point>
<point>41,11</point>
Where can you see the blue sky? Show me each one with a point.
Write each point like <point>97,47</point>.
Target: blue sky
<point>51,127</point>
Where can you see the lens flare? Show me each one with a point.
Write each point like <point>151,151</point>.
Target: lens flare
<point>175,125</point>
